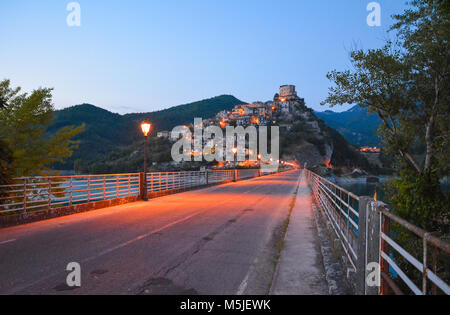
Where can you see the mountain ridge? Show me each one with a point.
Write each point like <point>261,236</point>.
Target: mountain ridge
<point>355,124</point>
<point>106,131</point>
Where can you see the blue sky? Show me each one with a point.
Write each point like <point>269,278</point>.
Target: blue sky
<point>139,56</point>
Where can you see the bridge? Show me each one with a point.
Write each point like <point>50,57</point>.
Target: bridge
<point>206,232</point>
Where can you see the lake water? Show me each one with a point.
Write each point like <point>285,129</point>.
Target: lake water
<point>359,187</point>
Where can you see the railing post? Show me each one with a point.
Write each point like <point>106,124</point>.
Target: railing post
<point>384,268</point>
<point>206,177</point>
<point>368,264</point>
<point>89,188</point>
<point>142,186</point>
<point>152,180</point>
<point>49,194</point>
<point>425,264</point>
<point>25,196</point>
<point>104,188</point>
<point>129,185</point>
<point>235,176</point>
<point>117,186</point>
<point>70,192</point>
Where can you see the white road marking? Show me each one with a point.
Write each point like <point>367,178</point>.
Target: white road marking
<point>7,241</point>
<point>242,286</point>
<point>140,237</point>
<point>109,250</point>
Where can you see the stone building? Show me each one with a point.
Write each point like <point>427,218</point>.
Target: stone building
<point>287,91</point>
<point>288,100</point>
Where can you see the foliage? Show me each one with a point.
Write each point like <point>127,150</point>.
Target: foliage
<point>344,154</point>
<point>419,198</point>
<point>406,84</point>
<point>107,132</point>
<point>5,166</point>
<point>355,124</point>
<point>129,159</point>
<point>24,120</point>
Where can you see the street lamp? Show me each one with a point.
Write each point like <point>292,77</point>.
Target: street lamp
<point>145,127</point>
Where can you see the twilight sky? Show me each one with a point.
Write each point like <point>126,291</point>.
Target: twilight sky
<point>139,56</point>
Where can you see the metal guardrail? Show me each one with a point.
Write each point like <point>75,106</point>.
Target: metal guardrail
<point>387,261</point>
<point>47,192</point>
<point>343,210</point>
<point>50,192</point>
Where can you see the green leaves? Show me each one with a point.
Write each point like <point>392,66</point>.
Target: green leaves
<point>24,120</point>
<point>407,84</point>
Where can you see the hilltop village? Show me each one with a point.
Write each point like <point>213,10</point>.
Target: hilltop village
<point>284,105</point>
<point>281,112</point>
<point>303,138</point>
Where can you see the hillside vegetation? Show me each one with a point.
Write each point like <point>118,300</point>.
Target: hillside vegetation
<point>106,132</point>
<point>355,124</point>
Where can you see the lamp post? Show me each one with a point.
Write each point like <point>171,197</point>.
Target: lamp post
<point>145,127</point>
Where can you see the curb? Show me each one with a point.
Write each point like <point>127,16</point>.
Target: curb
<point>335,277</point>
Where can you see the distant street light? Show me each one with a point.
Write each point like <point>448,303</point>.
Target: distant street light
<point>234,156</point>
<point>145,127</point>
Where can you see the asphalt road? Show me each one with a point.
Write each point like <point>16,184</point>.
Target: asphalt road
<point>219,240</point>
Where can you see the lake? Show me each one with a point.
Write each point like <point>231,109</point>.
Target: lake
<point>359,187</point>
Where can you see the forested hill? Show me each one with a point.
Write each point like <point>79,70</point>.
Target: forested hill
<point>356,125</point>
<point>106,131</point>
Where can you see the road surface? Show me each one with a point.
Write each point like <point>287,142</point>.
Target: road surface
<point>219,240</point>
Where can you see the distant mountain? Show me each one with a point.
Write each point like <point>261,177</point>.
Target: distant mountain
<point>355,124</point>
<point>106,132</point>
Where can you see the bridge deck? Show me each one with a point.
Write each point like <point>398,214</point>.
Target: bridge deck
<point>218,240</point>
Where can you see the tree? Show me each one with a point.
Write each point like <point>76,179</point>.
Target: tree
<point>5,165</point>
<point>407,84</point>
<point>276,97</point>
<point>24,119</point>
<point>5,160</point>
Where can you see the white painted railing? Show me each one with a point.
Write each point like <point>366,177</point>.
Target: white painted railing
<point>27,194</point>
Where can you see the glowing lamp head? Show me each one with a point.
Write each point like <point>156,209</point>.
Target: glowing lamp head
<point>145,127</point>
<point>234,150</point>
